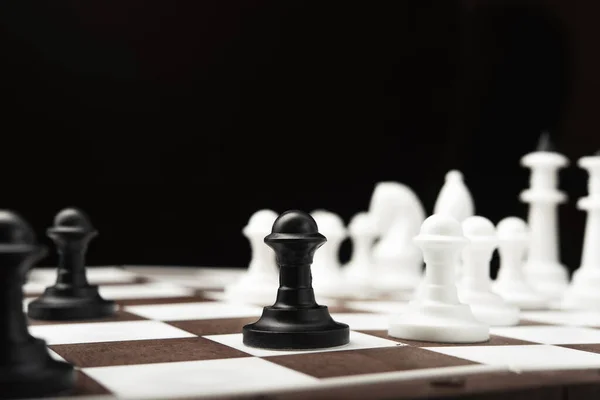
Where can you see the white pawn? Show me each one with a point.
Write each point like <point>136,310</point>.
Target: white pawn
<point>475,287</point>
<point>584,290</point>
<point>358,271</point>
<point>436,314</point>
<point>326,267</point>
<point>260,282</point>
<point>510,284</point>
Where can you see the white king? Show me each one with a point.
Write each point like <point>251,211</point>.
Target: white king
<point>583,292</point>
<point>543,269</point>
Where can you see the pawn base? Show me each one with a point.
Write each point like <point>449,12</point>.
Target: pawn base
<point>359,283</point>
<point>328,286</point>
<point>396,281</point>
<point>30,372</point>
<point>402,275</point>
<point>65,305</point>
<point>57,378</point>
<point>249,291</point>
<point>443,323</point>
<point>520,295</point>
<point>296,329</point>
<point>583,293</point>
<point>550,280</point>
<point>490,308</point>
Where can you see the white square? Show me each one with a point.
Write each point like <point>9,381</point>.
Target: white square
<point>226,377</point>
<point>106,332</point>
<point>145,290</point>
<point>549,334</point>
<point>563,317</point>
<point>95,275</point>
<point>381,307</point>
<point>199,278</point>
<point>363,321</point>
<point>357,341</point>
<point>190,311</point>
<point>34,288</point>
<point>524,357</point>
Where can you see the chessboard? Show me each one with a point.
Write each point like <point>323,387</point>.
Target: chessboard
<point>174,336</point>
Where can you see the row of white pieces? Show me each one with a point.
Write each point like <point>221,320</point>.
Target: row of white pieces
<point>490,306</point>
<point>359,278</point>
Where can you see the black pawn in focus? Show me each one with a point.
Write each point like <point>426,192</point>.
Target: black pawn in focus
<point>26,368</point>
<point>72,297</point>
<point>295,321</point>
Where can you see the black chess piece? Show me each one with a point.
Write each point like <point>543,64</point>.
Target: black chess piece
<point>26,368</point>
<point>72,297</point>
<point>295,321</point>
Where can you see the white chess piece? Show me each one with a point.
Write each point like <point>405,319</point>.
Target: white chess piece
<point>398,214</point>
<point>328,280</point>
<point>475,286</point>
<point>260,282</point>
<point>584,291</point>
<point>543,269</point>
<point>510,284</point>
<point>436,314</point>
<point>456,200</point>
<point>359,270</point>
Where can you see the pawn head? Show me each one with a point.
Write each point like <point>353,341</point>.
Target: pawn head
<point>15,231</point>
<point>330,223</point>
<point>441,225</point>
<point>295,223</point>
<point>362,223</point>
<point>295,237</point>
<point>17,241</point>
<point>478,228</point>
<point>512,228</point>
<point>439,229</point>
<point>73,218</point>
<point>260,222</point>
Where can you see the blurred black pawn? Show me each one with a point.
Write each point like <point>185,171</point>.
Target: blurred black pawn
<point>72,297</point>
<point>295,321</point>
<point>26,368</point>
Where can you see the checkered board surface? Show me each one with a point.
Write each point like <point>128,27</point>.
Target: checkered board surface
<point>175,337</point>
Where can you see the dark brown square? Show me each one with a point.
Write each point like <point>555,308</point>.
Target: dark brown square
<point>526,322</point>
<point>163,300</point>
<point>494,341</point>
<point>220,326</point>
<point>367,361</point>
<point>119,316</point>
<point>589,347</point>
<point>86,386</point>
<point>85,355</point>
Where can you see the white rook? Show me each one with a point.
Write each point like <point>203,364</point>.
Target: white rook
<point>583,292</point>
<point>543,268</point>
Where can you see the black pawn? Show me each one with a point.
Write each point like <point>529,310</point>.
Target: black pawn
<point>72,297</point>
<point>295,321</point>
<point>26,368</point>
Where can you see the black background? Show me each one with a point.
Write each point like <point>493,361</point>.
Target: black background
<point>171,122</point>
